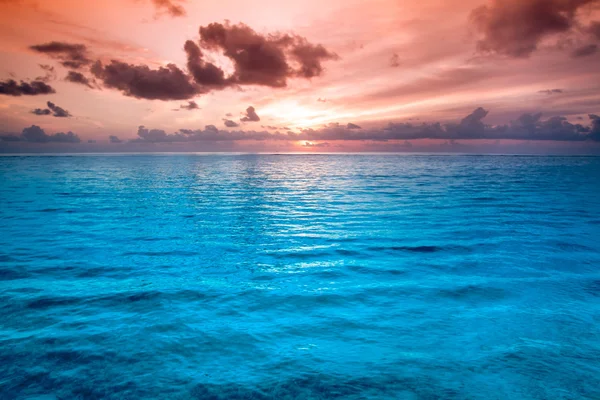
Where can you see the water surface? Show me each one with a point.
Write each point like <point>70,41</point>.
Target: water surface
<point>299,277</point>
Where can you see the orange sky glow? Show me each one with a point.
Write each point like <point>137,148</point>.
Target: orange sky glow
<point>320,75</point>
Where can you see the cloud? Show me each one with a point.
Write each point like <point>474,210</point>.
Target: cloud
<point>70,55</point>
<point>78,77</point>
<point>35,134</point>
<point>266,60</point>
<point>528,127</point>
<point>516,28</point>
<point>41,111</point>
<point>10,138</point>
<point>58,111</point>
<point>209,133</point>
<point>352,126</point>
<point>320,100</point>
<point>91,141</point>
<point>395,60</point>
<point>33,88</point>
<point>169,7</point>
<point>114,139</point>
<point>50,73</point>
<point>594,29</point>
<point>551,91</point>
<point>229,115</point>
<point>158,136</point>
<point>191,105</point>
<point>585,51</point>
<point>471,126</point>
<point>595,129</point>
<point>250,115</point>
<point>204,73</point>
<point>164,83</point>
<point>53,109</point>
<point>309,56</point>
<point>230,124</point>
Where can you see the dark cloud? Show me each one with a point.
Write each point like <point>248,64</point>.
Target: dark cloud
<point>70,55</point>
<point>551,91</point>
<point>158,136</point>
<point>267,60</point>
<point>250,115</point>
<point>595,129</point>
<point>114,139</point>
<point>164,83</point>
<point>309,57</point>
<point>41,111</point>
<point>594,29</point>
<point>352,126</point>
<point>191,105</point>
<point>169,7</point>
<point>585,51</point>
<point>229,115</point>
<point>91,141</point>
<point>35,134</point>
<point>209,133</point>
<point>47,67</point>
<point>230,124</point>
<point>204,73</point>
<point>58,111</point>
<point>53,109</point>
<point>33,88</point>
<point>516,27</point>
<point>78,77</point>
<point>395,60</point>
<point>10,138</point>
<point>471,126</point>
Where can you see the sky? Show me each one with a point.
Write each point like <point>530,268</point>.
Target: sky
<point>305,76</point>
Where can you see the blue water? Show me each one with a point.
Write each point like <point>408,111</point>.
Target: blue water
<point>299,277</point>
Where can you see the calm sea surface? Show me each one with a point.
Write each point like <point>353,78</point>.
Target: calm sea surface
<point>299,277</point>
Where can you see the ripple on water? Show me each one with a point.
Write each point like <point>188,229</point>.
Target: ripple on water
<point>299,277</point>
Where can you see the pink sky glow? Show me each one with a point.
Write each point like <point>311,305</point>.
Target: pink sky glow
<point>316,75</point>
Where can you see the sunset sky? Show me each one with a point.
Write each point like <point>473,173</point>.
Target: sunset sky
<point>311,75</point>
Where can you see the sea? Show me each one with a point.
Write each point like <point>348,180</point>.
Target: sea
<point>257,276</point>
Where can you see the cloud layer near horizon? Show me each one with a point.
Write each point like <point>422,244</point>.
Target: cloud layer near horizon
<point>528,127</point>
<point>35,134</point>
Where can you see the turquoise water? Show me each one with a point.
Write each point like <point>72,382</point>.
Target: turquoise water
<point>299,277</point>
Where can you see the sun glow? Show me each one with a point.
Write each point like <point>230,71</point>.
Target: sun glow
<point>292,114</point>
